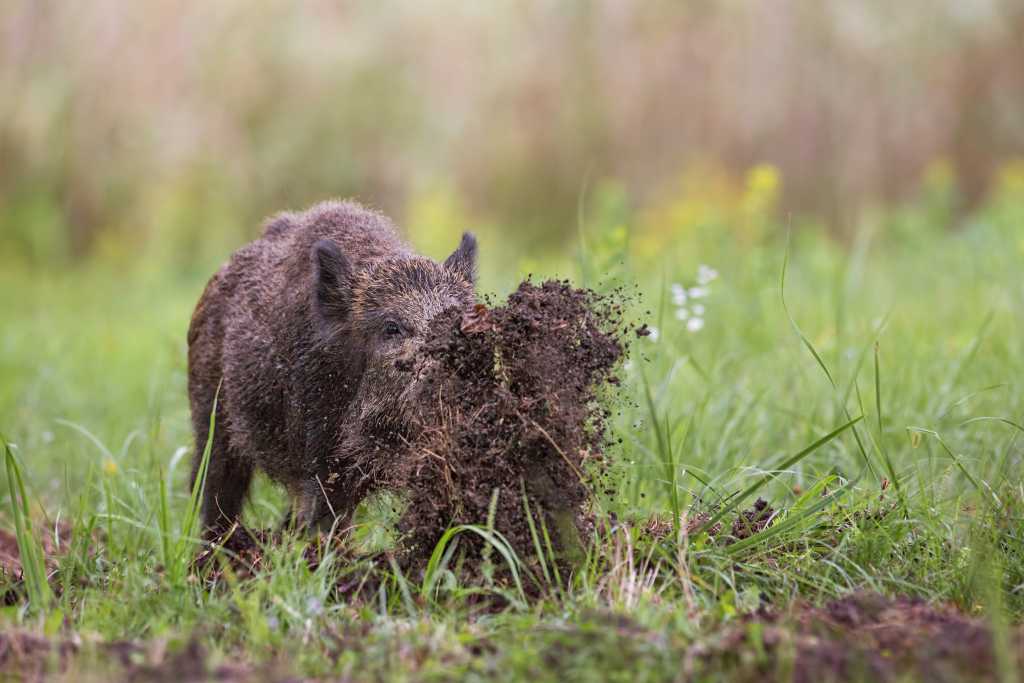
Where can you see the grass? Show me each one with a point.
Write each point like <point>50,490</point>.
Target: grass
<point>877,411</point>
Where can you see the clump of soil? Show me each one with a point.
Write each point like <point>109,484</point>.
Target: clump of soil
<point>748,522</point>
<point>753,520</point>
<point>510,410</point>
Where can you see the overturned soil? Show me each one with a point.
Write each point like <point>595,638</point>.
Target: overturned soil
<point>511,425</point>
<point>864,636</point>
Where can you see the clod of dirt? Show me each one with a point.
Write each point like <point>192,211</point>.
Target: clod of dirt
<point>753,520</point>
<point>661,526</point>
<point>510,412</point>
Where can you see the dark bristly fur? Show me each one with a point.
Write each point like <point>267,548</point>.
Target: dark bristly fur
<point>310,331</point>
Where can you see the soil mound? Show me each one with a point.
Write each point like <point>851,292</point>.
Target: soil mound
<point>863,636</point>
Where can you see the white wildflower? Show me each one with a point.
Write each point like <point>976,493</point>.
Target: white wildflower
<point>698,292</point>
<point>695,324</point>
<point>682,314</point>
<point>705,274</point>
<point>652,333</point>
<point>698,310</point>
<point>678,294</point>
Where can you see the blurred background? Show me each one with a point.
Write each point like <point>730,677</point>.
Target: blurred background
<point>666,144</point>
<point>133,132</point>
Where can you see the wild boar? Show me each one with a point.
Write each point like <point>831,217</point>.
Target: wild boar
<point>309,334</point>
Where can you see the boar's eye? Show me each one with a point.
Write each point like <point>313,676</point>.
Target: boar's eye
<point>392,329</point>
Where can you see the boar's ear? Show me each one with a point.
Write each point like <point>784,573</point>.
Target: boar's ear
<point>463,259</point>
<point>332,279</point>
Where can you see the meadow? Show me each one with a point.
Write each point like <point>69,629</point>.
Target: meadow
<point>866,390</point>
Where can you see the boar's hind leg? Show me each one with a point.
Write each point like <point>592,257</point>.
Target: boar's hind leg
<point>227,478</point>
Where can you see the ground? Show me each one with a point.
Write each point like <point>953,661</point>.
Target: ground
<point>820,479</point>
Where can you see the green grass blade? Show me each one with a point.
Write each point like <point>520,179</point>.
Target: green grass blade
<point>186,539</point>
<point>961,401</point>
<point>796,328</point>
<point>985,491</point>
<point>883,453</point>
<point>534,537</point>
<point>92,438</point>
<point>551,551</point>
<point>786,464</point>
<point>992,418</point>
<point>164,519</point>
<point>30,550</point>
<point>432,570</point>
<point>878,394</point>
<point>668,464</point>
<point>493,538</point>
<point>971,351</point>
<point>403,588</point>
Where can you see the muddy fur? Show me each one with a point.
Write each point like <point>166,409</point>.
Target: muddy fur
<point>309,332</point>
